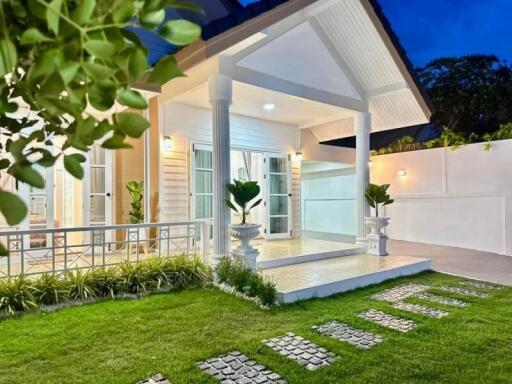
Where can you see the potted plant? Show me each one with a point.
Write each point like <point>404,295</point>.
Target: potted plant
<point>243,193</point>
<point>136,214</point>
<point>377,197</point>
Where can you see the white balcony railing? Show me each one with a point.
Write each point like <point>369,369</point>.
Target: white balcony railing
<point>58,250</point>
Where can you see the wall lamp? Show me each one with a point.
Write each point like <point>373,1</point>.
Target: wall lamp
<point>167,143</point>
<point>401,172</point>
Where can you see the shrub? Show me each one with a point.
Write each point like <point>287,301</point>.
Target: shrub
<point>106,282</point>
<point>49,289</point>
<point>80,285</point>
<point>233,272</point>
<point>182,272</point>
<point>133,278</point>
<point>156,277</point>
<point>16,295</point>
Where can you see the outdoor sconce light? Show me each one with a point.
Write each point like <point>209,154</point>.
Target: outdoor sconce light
<point>370,162</point>
<point>297,158</point>
<point>402,172</point>
<point>167,143</point>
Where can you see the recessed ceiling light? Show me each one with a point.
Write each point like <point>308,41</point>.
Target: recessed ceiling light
<point>269,107</point>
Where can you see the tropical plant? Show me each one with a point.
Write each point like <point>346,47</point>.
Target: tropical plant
<point>80,285</point>
<point>503,133</point>
<point>377,196</point>
<point>136,191</point>
<point>133,278</point>
<point>243,193</point>
<point>105,282</point>
<point>183,272</point>
<point>50,289</point>
<point>16,295</point>
<point>62,60</point>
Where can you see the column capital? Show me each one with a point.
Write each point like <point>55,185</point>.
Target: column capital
<point>220,89</point>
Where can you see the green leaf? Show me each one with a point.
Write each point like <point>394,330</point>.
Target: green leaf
<point>53,16</point>
<point>116,142</point>
<point>33,36</point>
<point>180,32</point>
<point>101,129</point>
<point>101,49</point>
<point>165,70</point>
<point>131,124</point>
<point>4,163</point>
<point>68,71</point>
<point>72,163</point>
<point>138,64</point>
<point>98,71</point>
<point>7,107</point>
<point>12,207</point>
<point>132,99</point>
<point>123,13</point>
<point>8,56</point>
<point>153,19</point>
<point>47,159</point>
<point>84,11</point>
<point>27,174</point>
<point>85,127</point>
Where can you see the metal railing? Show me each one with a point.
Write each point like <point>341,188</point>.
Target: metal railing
<point>58,250</point>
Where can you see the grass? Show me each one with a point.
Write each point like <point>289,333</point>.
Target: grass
<point>124,341</point>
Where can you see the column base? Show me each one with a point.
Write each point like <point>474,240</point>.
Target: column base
<point>361,242</point>
<point>377,245</point>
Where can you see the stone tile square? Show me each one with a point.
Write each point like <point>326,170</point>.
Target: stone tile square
<point>400,292</point>
<point>389,321</point>
<point>421,309</point>
<point>463,291</point>
<point>304,352</point>
<point>346,333</point>
<point>441,299</point>
<point>236,368</point>
<point>156,379</point>
<point>481,285</point>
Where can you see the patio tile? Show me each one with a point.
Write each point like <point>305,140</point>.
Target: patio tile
<point>463,291</point>
<point>441,299</point>
<point>388,321</point>
<point>236,368</point>
<point>482,285</point>
<point>400,292</point>
<point>156,379</point>
<point>301,350</point>
<point>343,332</point>
<point>421,309</point>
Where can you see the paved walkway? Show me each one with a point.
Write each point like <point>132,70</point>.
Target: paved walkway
<point>459,261</point>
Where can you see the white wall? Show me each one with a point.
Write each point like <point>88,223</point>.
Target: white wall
<point>460,198</point>
<point>187,125</point>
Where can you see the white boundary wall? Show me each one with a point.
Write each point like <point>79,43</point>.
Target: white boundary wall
<point>460,198</point>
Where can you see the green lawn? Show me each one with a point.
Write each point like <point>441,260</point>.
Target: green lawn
<point>125,341</point>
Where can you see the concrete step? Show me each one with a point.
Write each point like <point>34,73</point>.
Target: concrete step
<point>326,277</point>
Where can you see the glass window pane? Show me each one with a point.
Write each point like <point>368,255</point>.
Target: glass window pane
<point>204,207</point>
<point>97,155</point>
<point>278,225</point>
<point>278,165</point>
<point>278,205</point>
<point>97,209</point>
<point>203,159</point>
<point>278,184</point>
<point>204,181</point>
<point>37,210</point>
<point>97,180</point>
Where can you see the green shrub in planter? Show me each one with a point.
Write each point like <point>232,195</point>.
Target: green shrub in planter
<point>49,289</point>
<point>155,274</point>
<point>106,282</point>
<point>16,295</point>
<point>184,272</point>
<point>80,285</point>
<point>234,273</point>
<point>133,278</point>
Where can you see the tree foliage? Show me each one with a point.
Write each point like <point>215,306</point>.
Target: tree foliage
<point>64,60</point>
<point>471,94</point>
<point>136,192</point>
<point>243,193</point>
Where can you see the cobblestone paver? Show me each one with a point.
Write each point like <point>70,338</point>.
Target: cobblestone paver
<point>389,321</point>
<point>400,293</point>
<point>344,332</point>
<point>463,291</point>
<point>301,350</point>
<point>482,285</point>
<point>441,299</point>
<point>421,309</point>
<point>157,379</point>
<point>236,368</point>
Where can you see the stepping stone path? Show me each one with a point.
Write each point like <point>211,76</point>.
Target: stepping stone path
<point>400,293</point>
<point>344,332</point>
<point>389,321</point>
<point>441,299</point>
<point>421,309</point>
<point>463,291</point>
<point>157,379</point>
<point>482,285</point>
<point>301,350</point>
<point>236,368</point>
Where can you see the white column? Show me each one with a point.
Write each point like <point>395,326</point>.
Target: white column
<point>362,128</point>
<point>220,91</point>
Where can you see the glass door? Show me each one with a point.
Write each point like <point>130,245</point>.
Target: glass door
<point>202,182</point>
<point>278,196</point>
<point>100,184</point>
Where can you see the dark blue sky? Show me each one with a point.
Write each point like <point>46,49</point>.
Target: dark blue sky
<point>429,29</point>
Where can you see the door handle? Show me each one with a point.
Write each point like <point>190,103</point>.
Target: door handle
<point>108,194</point>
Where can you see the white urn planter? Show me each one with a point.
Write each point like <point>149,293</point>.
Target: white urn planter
<point>245,233</point>
<point>376,239</point>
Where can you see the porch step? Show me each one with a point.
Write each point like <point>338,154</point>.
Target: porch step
<point>340,274</point>
<point>309,256</point>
